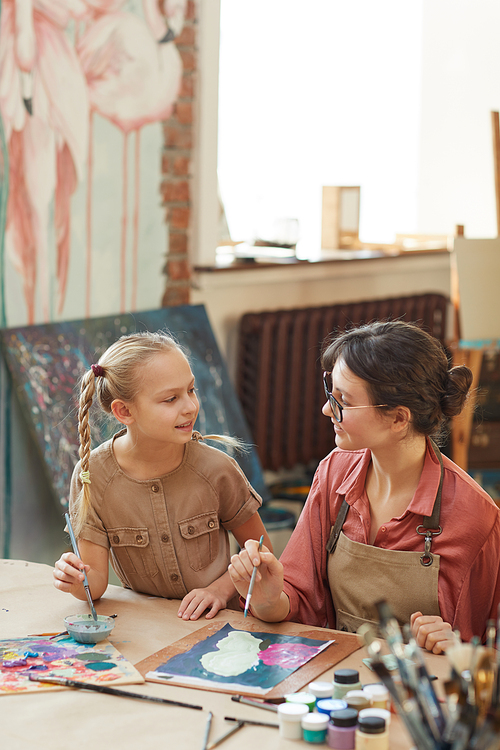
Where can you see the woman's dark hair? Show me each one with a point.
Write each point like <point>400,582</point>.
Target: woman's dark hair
<point>403,366</point>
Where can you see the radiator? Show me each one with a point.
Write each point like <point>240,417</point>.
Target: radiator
<point>279,379</point>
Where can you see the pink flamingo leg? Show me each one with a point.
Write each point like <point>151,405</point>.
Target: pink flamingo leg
<point>123,255</point>
<point>135,245</point>
<point>90,156</point>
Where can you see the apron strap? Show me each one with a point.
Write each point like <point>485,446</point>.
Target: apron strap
<point>432,521</point>
<point>337,528</point>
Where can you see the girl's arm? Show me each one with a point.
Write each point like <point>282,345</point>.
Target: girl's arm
<point>217,595</point>
<point>252,529</point>
<point>68,575</point>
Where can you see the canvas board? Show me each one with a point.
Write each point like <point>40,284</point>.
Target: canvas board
<point>46,361</point>
<point>337,646</point>
<point>476,272</point>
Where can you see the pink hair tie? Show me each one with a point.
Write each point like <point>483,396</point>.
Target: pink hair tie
<point>97,370</point>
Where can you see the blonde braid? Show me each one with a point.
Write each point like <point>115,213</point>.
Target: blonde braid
<point>87,390</point>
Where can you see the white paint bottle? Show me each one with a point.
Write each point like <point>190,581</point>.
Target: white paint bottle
<point>290,716</point>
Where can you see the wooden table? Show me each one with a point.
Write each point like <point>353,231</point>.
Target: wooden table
<point>29,604</point>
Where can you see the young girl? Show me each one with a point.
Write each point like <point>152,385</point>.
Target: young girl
<point>154,497</point>
<point>411,526</point>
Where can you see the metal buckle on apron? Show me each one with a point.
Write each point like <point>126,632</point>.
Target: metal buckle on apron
<point>427,558</point>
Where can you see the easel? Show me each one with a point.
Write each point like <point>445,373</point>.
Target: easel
<point>476,302</point>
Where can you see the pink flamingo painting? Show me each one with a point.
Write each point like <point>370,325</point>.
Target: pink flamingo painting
<point>133,72</point>
<point>44,106</point>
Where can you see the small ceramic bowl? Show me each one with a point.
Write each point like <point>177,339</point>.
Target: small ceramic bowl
<point>84,629</point>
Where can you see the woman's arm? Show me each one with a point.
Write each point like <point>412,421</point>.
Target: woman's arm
<point>68,571</point>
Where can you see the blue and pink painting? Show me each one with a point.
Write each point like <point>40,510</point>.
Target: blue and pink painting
<point>244,661</point>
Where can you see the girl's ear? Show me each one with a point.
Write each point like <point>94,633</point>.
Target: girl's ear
<point>121,411</point>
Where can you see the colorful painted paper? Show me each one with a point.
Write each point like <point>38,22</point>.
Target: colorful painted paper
<point>98,664</point>
<point>244,661</point>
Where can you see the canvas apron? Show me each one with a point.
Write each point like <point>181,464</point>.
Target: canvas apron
<point>360,574</point>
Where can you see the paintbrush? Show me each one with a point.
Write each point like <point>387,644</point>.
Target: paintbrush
<point>407,708</point>
<point>254,723</point>
<point>52,680</point>
<point>252,580</point>
<point>77,553</point>
<point>256,704</point>
<point>391,632</point>
<point>207,730</point>
<point>426,694</point>
<point>225,735</point>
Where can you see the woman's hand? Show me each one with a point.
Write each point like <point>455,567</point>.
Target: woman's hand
<point>268,600</point>
<point>68,572</point>
<point>432,632</point>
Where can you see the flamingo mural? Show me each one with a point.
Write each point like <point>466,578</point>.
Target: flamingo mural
<point>133,71</point>
<point>62,61</point>
<point>44,106</point>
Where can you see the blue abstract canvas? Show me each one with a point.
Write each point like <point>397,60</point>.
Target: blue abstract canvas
<point>46,361</point>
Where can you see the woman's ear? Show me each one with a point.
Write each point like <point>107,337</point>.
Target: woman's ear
<point>401,418</point>
<point>121,412</point>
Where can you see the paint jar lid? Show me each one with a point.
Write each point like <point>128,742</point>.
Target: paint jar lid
<point>307,698</point>
<point>356,694</point>
<point>292,711</point>
<point>347,717</point>
<point>315,721</point>
<point>358,701</point>
<point>376,691</point>
<point>346,676</point>
<point>371,724</point>
<point>327,705</point>
<point>382,712</point>
<point>321,689</point>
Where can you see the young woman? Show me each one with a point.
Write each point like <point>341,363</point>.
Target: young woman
<point>412,527</point>
<point>155,498</point>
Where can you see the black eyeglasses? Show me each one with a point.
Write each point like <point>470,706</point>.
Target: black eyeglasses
<point>337,408</point>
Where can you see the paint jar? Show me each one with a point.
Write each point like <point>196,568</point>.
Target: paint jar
<point>357,699</point>
<point>382,712</point>
<point>371,734</point>
<point>314,728</point>
<point>321,690</point>
<point>379,695</point>
<point>342,729</point>
<point>327,705</point>
<point>345,680</point>
<point>289,718</point>
<point>307,699</point>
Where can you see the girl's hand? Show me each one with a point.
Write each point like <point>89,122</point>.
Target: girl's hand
<point>68,572</point>
<point>432,632</point>
<point>267,601</point>
<point>198,600</point>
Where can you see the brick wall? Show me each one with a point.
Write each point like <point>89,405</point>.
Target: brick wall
<point>177,156</point>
